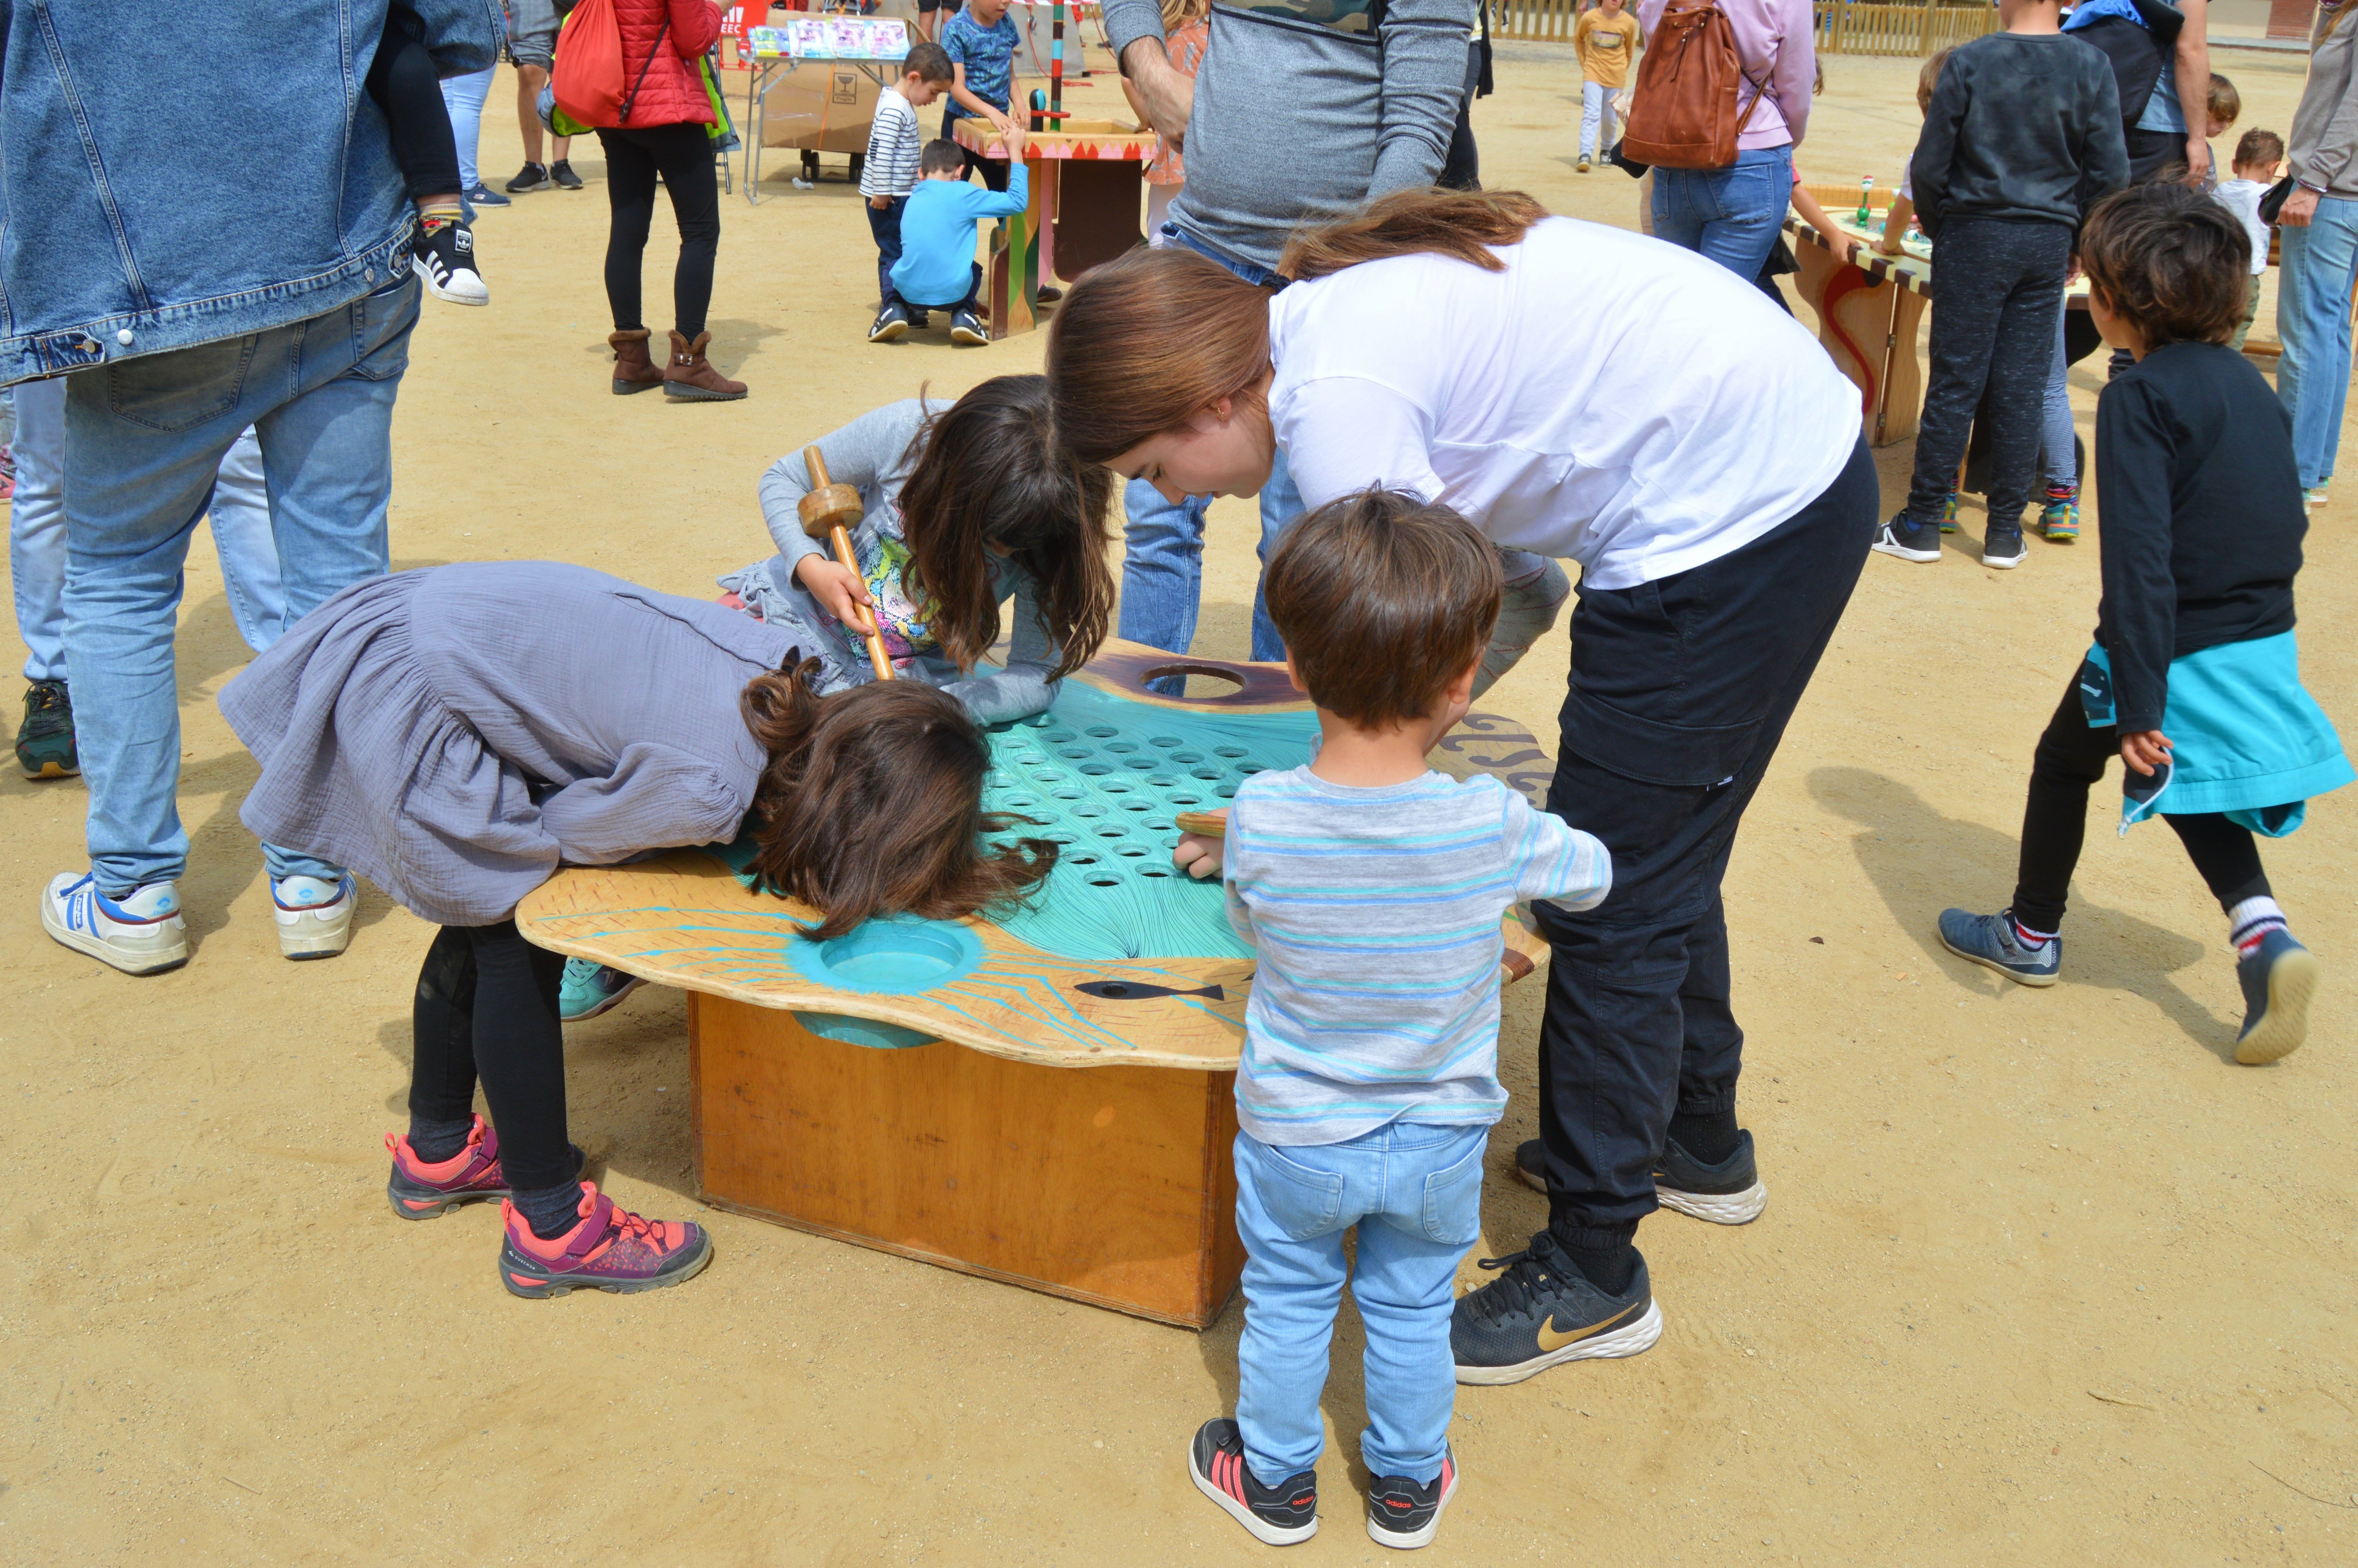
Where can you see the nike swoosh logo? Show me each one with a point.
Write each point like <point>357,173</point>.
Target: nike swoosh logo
<point>1550,1339</point>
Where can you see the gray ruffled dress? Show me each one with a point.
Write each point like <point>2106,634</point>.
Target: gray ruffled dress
<point>453,733</point>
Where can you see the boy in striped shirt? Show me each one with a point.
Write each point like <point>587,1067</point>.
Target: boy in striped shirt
<point>889,172</point>
<point>1372,890</point>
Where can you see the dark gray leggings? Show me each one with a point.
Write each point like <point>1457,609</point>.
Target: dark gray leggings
<point>486,1004</point>
<point>683,155</point>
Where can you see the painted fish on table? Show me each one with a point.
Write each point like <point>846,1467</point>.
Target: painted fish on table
<point>1132,991</point>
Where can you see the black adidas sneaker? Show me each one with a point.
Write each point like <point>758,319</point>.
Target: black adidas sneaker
<point>445,259</point>
<point>1404,1514</point>
<point>1280,1515</point>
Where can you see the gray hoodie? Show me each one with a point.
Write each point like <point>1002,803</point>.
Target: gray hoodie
<point>1299,120</point>
<point>2325,127</point>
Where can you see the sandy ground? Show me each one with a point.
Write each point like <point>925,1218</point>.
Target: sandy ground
<point>2045,1276</point>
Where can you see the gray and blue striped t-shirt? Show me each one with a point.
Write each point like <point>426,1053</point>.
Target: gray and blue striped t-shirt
<point>1375,914</point>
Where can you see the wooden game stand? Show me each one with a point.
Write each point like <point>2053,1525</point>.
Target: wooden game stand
<point>1086,185</point>
<point>975,1146</point>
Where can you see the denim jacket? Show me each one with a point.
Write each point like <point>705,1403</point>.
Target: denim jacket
<point>172,175</point>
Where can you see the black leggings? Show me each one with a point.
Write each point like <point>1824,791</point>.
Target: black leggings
<point>2072,756</point>
<point>404,85</point>
<point>487,1003</point>
<point>683,155</point>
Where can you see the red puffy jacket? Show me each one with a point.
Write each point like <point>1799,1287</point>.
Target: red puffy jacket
<point>674,90</point>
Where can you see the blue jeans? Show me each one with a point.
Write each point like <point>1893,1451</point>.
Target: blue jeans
<point>1732,215</point>
<point>37,535</point>
<point>145,440</point>
<point>2059,457</point>
<point>884,225</point>
<point>1415,1193</point>
<point>463,97</point>
<point>1162,561</point>
<point>1596,126</point>
<point>2313,284</point>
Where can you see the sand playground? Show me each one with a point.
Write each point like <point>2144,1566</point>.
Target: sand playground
<point>2045,1277</point>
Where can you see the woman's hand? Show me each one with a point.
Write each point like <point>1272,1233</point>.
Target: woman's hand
<point>838,590</point>
<point>1198,854</point>
<point>2146,749</point>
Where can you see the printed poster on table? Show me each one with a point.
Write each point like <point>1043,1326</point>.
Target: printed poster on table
<point>832,37</point>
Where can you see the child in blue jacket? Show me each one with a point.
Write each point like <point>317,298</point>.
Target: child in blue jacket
<point>937,270</point>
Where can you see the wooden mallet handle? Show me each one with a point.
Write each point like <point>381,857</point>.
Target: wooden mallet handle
<point>1203,823</point>
<point>826,513</point>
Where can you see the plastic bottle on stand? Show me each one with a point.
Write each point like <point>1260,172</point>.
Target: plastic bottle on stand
<point>1866,201</point>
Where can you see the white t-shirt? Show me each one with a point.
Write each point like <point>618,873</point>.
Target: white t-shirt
<point>1608,398</point>
<point>2242,196</point>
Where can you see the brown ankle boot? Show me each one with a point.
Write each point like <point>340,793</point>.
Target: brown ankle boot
<point>633,372</point>
<point>690,376</point>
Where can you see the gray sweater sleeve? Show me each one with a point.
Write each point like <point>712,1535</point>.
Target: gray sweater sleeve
<point>2325,125</point>
<point>1127,21</point>
<point>866,453</point>
<point>1424,44</point>
<point>1023,688</point>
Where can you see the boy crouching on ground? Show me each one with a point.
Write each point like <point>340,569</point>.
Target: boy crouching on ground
<point>1371,889</point>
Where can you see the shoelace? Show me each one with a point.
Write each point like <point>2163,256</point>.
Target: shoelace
<point>629,1226</point>
<point>1514,1291</point>
<point>46,696</point>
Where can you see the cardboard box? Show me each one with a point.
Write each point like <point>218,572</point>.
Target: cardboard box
<point>821,105</point>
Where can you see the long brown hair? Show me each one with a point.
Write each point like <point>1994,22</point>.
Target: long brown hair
<point>991,475</point>
<point>1143,344</point>
<point>871,803</point>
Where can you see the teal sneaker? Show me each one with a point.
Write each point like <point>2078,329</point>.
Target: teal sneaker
<point>1948,514</point>
<point>2059,520</point>
<point>590,988</point>
<point>45,741</point>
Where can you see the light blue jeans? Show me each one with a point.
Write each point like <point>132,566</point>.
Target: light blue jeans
<point>1596,126</point>
<point>2058,459</point>
<point>240,514</point>
<point>145,440</point>
<point>1415,1193</point>
<point>2318,268</point>
<point>463,97</point>
<point>1732,215</point>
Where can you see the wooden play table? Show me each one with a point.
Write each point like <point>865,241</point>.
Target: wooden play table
<point>935,1111</point>
<point>1086,199</point>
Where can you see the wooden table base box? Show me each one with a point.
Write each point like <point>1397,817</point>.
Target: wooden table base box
<point>1112,1185</point>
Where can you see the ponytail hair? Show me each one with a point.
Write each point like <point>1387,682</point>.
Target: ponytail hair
<point>992,476</point>
<point>1145,343</point>
<point>871,803</point>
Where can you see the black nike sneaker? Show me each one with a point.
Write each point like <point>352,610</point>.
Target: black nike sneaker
<point>1280,1515</point>
<point>1404,1514</point>
<point>1727,1194</point>
<point>1543,1311</point>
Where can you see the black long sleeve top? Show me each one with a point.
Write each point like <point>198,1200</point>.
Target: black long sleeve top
<point>2200,516</point>
<point>2023,126</point>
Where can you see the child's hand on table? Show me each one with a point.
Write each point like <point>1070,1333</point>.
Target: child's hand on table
<point>840,591</point>
<point>2145,750</point>
<point>1198,854</point>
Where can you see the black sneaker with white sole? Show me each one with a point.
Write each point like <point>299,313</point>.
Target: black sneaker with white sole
<point>1727,1194</point>
<point>531,177</point>
<point>966,328</point>
<point>1543,1312</point>
<point>1402,1513</point>
<point>1904,538</point>
<point>1277,1516</point>
<point>2003,548</point>
<point>444,258</point>
<point>560,174</point>
<point>891,325</point>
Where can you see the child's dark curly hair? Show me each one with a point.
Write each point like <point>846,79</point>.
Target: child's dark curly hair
<point>2172,261</point>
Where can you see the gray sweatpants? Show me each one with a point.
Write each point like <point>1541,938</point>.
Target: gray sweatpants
<point>1997,294</point>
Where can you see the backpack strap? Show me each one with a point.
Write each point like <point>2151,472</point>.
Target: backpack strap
<point>662,33</point>
<point>1759,91</point>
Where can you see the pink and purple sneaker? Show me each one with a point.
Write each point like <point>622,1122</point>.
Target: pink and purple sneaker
<point>609,1249</point>
<point>421,1190</point>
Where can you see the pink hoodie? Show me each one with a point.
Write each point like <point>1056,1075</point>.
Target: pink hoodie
<point>1776,42</point>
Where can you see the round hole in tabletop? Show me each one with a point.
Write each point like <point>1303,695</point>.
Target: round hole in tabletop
<point>893,954</point>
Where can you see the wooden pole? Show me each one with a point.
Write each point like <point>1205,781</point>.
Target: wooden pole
<point>827,512</point>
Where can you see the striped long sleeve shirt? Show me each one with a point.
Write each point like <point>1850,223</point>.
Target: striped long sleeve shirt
<point>893,143</point>
<point>1375,914</point>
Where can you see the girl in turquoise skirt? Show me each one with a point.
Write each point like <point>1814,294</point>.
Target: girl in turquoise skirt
<point>2194,679</point>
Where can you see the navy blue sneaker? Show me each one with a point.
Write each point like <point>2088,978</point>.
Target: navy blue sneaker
<point>484,195</point>
<point>1404,1513</point>
<point>1991,940</point>
<point>2278,977</point>
<point>1902,537</point>
<point>1727,1194</point>
<point>1277,1516</point>
<point>1541,1312</point>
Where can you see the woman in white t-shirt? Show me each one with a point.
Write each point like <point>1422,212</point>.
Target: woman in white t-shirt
<point>1579,392</point>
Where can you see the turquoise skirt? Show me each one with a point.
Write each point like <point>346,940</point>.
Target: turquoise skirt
<point>2247,739</point>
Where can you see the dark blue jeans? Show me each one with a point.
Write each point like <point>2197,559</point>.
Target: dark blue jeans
<point>1680,691</point>
<point>884,223</point>
<point>973,288</point>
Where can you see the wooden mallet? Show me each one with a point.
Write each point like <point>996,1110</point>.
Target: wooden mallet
<point>827,512</point>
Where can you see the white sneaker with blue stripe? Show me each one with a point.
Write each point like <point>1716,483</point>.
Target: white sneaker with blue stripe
<point>138,934</point>
<point>315,917</point>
